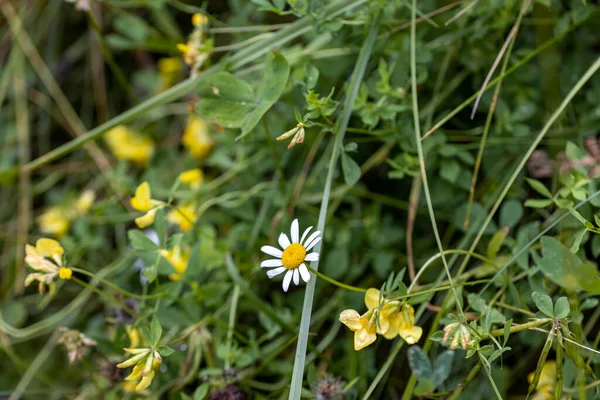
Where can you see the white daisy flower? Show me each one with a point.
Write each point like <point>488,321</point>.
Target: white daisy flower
<point>293,256</point>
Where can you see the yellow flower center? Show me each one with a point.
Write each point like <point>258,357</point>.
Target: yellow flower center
<point>293,256</point>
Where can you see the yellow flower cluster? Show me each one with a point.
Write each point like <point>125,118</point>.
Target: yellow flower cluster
<point>46,258</point>
<point>183,215</point>
<point>178,257</point>
<point>197,49</point>
<point>145,361</point>
<point>143,202</point>
<point>196,138</point>
<point>387,318</point>
<point>127,144</point>
<point>57,220</point>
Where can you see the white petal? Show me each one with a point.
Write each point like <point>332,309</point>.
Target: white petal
<point>287,279</point>
<point>276,271</point>
<point>313,243</point>
<point>271,263</point>
<point>272,251</point>
<point>304,272</point>
<point>312,257</point>
<point>311,238</point>
<point>296,277</point>
<point>283,241</point>
<point>295,231</point>
<point>305,233</point>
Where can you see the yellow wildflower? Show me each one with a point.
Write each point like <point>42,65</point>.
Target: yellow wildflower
<point>56,220</point>
<point>545,386</point>
<point>178,258</point>
<point>184,216</point>
<point>127,144</point>
<point>392,318</point>
<point>364,326</point>
<point>196,137</point>
<point>144,203</point>
<point>38,258</point>
<point>168,69</point>
<point>145,361</point>
<point>197,49</point>
<point>193,177</point>
<point>198,20</point>
<point>395,318</point>
<point>134,336</point>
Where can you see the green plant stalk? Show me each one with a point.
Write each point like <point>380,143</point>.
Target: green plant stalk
<point>489,375</point>
<point>235,297</point>
<point>470,376</point>
<point>115,287</point>
<point>357,75</point>
<point>488,122</point>
<point>417,131</point>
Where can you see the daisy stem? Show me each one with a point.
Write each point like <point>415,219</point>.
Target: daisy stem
<point>336,283</point>
<point>355,82</point>
<point>118,289</point>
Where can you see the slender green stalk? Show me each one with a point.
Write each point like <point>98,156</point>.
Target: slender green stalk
<point>486,368</point>
<point>488,121</point>
<point>355,82</point>
<point>336,283</point>
<point>232,313</point>
<point>117,288</point>
<point>417,131</point>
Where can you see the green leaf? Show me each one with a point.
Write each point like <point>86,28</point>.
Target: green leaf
<point>437,336</point>
<point>577,215</point>
<point>419,363</point>
<point>155,332</point>
<point>597,220</point>
<point>350,169</point>
<point>543,303</point>
<point>511,213</point>
<point>562,308</point>
<point>423,387</point>
<point>165,351</point>
<point>539,187</point>
<point>565,268</point>
<point>231,102</point>
<point>225,100</point>
<point>507,326</point>
<point>442,367</point>
<point>140,241</point>
<point>201,391</point>
<point>450,170</point>
<point>538,203</point>
<point>496,242</point>
<point>575,247</point>
<point>312,75</point>
<point>275,77</point>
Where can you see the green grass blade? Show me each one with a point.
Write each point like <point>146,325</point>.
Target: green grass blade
<point>355,82</point>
